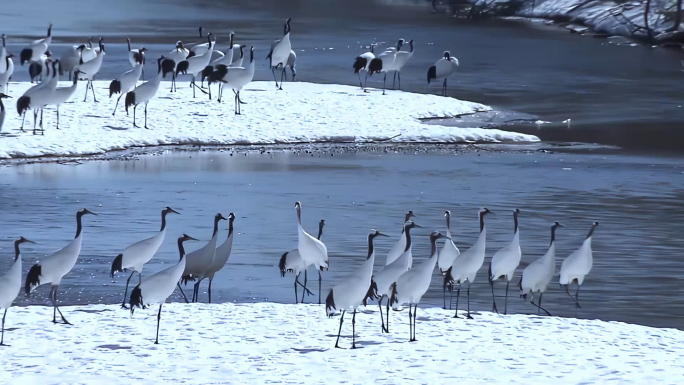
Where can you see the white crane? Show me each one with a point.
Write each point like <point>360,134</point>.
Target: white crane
<point>280,52</point>
<point>7,74</point>
<point>448,254</point>
<point>199,261</point>
<point>2,109</point>
<point>201,49</point>
<point>382,280</point>
<point>577,265</point>
<point>194,65</point>
<point>235,78</point>
<point>227,59</point>
<point>37,97</point>
<point>292,262</point>
<point>62,94</point>
<point>398,249</point>
<point>88,53</point>
<point>538,274</point>
<point>177,55</point>
<point>90,68</point>
<point>135,256</point>
<point>39,67</point>
<point>442,69</point>
<point>136,56</point>
<point>384,62</point>
<point>222,253</point>
<point>37,48</point>
<point>146,91</point>
<point>350,292</point>
<point>504,262</point>
<point>125,84</point>
<point>400,60</point>
<point>53,268</point>
<point>158,287</point>
<point>412,285</point>
<point>466,266</point>
<point>312,250</point>
<point>362,63</point>
<point>70,59</point>
<point>10,284</point>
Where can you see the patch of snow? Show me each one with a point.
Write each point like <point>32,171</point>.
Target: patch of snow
<point>302,112</point>
<point>262,342</point>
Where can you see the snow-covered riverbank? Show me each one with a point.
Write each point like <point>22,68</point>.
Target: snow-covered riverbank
<point>302,112</point>
<point>268,342</point>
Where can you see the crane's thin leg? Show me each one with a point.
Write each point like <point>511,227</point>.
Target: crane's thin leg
<point>22,121</point>
<point>506,300</point>
<point>354,330</point>
<point>410,323</point>
<point>156,340</point>
<point>123,303</point>
<point>35,118</point>
<point>320,280</point>
<point>491,283</point>
<point>399,76</point>
<point>468,315</point>
<point>444,294</point>
<point>567,290</point>
<point>282,75</point>
<point>92,88</point>
<point>209,87</point>
<point>196,292</point>
<point>86,94</point>
<point>305,279</point>
<point>143,74</point>
<point>193,85</point>
<point>146,116</point>
<point>274,76</point>
<point>117,103</point>
<point>57,307</point>
<point>360,83</point>
<point>387,308</point>
<point>365,83</point>
<point>539,306</point>
<point>415,313</point>
<point>220,92</point>
<point>339,331</point>
<point>577,305</point>
<point>134,107</point>
<point>235,105</point>
<point>458,295</point>
<point>210,279</point>
<point>295,285</point>
<point>395,79</point>
<point>2,339</point>
<point>451,296</point>
<point>383,83</point>
<point>181,290</point>
<point>382,318</point>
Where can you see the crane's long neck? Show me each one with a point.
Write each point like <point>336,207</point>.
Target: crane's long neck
<point>79,225</point>
<point>163,224</point>
<point>434,253</point>
<point>591,232</point>
<point>482,224</point>
<point>181,249</point>
<point>553,235</point>
<point>320,232</point>
<point>230,227</point>
<point>216,222</point>
<point>370,246</point>
<point>515,220</point>
<point>407,232</point>
<point>17,253</point>
<point>299,216</point>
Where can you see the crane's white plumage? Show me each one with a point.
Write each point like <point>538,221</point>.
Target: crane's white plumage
<point>227,58</point>
<point>292,262</point>
<point>400,59</point>
<point>159,286</point>
<point>3,112</point>
<point>146,91</point>
<point>234,78</point>
<point>70,59</point>
<point>412,285</point>
<point>222,253</point>
<point>469,262</point>
<point>193,65</point>
<point>442,69</point>
<point>90,68</point>
<point>199,261</point>
<point>135,256</point>
<point>505,261</point>
<point>577,265</point>
<point>37,48</point>
<point>400,247</point>
<point>362,63</point>
<point>312,251</point>
<point>7,74</point>
<point>88,53</point>
<point>449,251</point>
<point>3,55</point>
<point>538,274</point>
<point>10,284</point>
<point>280,52</point>
<point>350,292</point>
<point>125,83</point>
<point>62,94</point>
<point>53,268</point>
<point>37,97</point>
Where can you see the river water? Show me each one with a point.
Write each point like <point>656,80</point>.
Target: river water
<point>620,95</point>
<point>636,200</point>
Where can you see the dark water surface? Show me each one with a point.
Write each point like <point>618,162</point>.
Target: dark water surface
<point>637,200</point>
<point>628,96</point>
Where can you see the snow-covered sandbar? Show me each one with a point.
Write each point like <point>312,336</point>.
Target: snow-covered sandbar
<point>269,342</point>
<point>301,112</point>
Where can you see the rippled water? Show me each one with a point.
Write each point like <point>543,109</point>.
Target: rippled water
<point>621,95</point>
<point>637,200</point>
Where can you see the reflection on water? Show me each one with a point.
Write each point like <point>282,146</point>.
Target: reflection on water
<point>637,200</point>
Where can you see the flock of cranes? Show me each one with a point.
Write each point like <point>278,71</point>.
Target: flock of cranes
<point>398,282</point>
<point>233,68</point>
